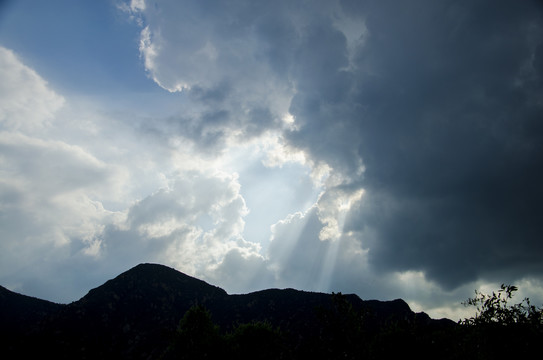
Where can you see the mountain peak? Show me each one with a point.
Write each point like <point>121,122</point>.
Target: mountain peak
<point>152,281</point>
<point>138,312</point>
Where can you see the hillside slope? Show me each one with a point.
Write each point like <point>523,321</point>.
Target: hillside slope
<point>135,315</point>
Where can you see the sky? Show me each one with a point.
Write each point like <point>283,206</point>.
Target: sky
<point>390,149</point>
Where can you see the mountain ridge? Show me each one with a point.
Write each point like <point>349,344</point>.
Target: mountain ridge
<point>137,313</point>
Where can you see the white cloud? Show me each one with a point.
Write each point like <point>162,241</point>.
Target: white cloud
<point>137,5</point>
<point>53,189</point>
<point>241,273</point>
<point>234,91</point>
<point>191,225</point>
<point>93,190</point>
<point>49,167</point>
<point>49,185</point>
<point>133,9</point>
<point>26,102</point>
<point>333,207</point>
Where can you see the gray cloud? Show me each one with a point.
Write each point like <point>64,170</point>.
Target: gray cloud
<point>420,123</point>
<point>431,107</point>
<point>451,169</point>
<point>241,273</point>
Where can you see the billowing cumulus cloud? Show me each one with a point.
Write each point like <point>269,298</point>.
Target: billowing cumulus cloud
<point>213,51</point>
<point>192,225</point>
<point>97,207</point>
<point>430,110</point>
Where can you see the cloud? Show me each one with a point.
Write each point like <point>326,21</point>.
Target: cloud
<point>210,203</point>
<point>97,195</point>
<point>451,170</point>
<point>44,183</point>
<point>49,167</point>
<point>194,225</point>
<point>26,102</point>
<point>409,136</point>
<point>219,55</point>
<point>430,110</point>
<point>242,273</point>
<point>302,257</point>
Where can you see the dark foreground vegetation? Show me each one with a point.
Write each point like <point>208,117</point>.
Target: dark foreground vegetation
<point>154,312</point>
<point>498,331</point>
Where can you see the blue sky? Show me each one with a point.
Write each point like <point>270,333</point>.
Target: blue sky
<point>81,47</point>
<point>372,147</point>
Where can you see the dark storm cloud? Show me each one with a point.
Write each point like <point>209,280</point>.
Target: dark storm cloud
<point>235,61</point>
<point>444,107</point>
<point>433,108</point>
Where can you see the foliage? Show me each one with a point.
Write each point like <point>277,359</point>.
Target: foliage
<point>495,309</point>
<point>500,329</point>
<point>341,318</point>
<point>197,336</point>
<point>257,339</point>
<point>341,334</point>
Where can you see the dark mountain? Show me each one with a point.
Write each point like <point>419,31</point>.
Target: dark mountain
<point>19,309</point>
<point>136,314</point>
<point>21,315</point>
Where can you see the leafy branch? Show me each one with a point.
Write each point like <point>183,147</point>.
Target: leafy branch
<point>495,309</point>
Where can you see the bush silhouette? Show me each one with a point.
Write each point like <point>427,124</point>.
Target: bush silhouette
<point>256,340</point>
<point>197,337</point>
<point>495,309</point>
<point>500,329</point>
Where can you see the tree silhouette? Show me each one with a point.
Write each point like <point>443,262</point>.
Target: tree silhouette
<point>495,309</point>
<point>256,340</point>
<point>341,333</point>
<point>197,336</point>
<point>500,329</point>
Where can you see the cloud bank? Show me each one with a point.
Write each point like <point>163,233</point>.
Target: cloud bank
<point>412,130</point>
<point>72,199</point>
<point>431,109</point>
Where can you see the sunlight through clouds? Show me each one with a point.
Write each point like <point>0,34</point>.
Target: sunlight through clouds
<point>352,146</point>
<point>333,206</point>
<point>73,185</point>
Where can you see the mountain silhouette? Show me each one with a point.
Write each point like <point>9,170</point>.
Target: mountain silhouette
<point>21,315</point>
<point>136,314</point>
